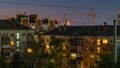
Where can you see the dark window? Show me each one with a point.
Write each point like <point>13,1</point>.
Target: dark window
<point>23,34</point>
<point>12,35</point>
<point>91,49</point>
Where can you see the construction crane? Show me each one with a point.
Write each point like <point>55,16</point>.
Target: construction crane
<point>92,14</point>
<point>68,19</point>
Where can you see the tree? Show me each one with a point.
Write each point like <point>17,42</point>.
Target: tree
<point>106,61</point>
<point>118,63</point>
<point>37,56</point>
<point>16,61</point>
<point>55,57</point>
<point>3,63</point>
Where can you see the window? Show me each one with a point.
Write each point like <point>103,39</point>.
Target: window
<point>18,43</point>
<point>18,49</point>
<point>92,40</point>
<point>91,49</point>
<point>98,57</point>
<point>105,49</point>
<point>23,34</point>
<point>92,56</point>
<point>98,42</point>
<point>105,41</point>
<point>18,35</point>
<point>98,49</point>
<point>12,35</point>
<point>73,55</point>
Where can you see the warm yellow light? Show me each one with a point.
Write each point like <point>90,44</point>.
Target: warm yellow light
<point>47,46</point>
<point>105,41</point>
<point>98,49</point>
<point>92,56</point>
<point>64,47</point>
<point>12,43</point>
<point>29,50</point>
<point>68,23</point>
<point>98,42</point>
<point>73,55</point>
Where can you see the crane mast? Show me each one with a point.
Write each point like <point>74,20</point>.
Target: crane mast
<point>92,14</point>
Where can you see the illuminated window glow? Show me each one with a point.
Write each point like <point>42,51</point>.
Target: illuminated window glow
<point>18,35</point>
<point>92,56</point>
<point>98,49</point>
<point>98,42</point>
<point>73,55</point>
<point>18,49</point>
<point>18,43</point>
<point>92,40</point>
<point>29,50</point>
<point>12,43</point>
<point>105,41</point>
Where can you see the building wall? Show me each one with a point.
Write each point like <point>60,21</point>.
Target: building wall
<point>15,41</point>
<point>86,48</point>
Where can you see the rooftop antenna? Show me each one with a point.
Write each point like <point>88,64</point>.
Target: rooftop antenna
<point>24,12</point>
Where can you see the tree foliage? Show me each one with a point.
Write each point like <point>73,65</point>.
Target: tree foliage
<point>16,61</point>
<point>3,63</point>
<point>56,49</point>
<point>106,61</point>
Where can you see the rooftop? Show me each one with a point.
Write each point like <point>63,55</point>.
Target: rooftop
<point>7,25</point>
<point>99,30</point>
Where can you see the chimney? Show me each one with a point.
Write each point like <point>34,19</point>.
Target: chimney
<point>105,26</point>
<point>60,28</point>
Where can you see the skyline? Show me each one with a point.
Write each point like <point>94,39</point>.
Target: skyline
<point>105,11</point>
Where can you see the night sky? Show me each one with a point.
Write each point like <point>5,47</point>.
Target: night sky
<point>105,10</point>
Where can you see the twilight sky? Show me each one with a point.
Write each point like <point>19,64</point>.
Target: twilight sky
<point>105,10</point>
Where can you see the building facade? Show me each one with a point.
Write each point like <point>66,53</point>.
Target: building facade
<point>85,44</point>
<point>34,22</point>
<point>13,38</point>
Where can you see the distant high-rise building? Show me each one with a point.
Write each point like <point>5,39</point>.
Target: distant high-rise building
<point>118,17</point>
<point>25,21</point>
<point>35,23</point>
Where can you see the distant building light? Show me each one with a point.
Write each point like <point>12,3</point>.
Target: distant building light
<point>18,43</point>
<point>29,50</point>
<point>98,42</point>
<point>18,35</point>
<point>92,56</point>
<point>73,55</point>
<point>12,43</point>
<point>18,49</point>
<point>105,41</point>
<point>98,49</point>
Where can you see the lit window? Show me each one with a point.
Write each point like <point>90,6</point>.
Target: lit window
<point>92,40</point>
<point>98,42</point>
<point>29,50</point>
<point>12,43</point>
<point>98,57</point>
<point>18,35</point>
<point>18,49</point>
<point>105,41</point>
<point>92,56</point>
<point>17,43</point>
<point>73,55</point>
<point>98,49</point>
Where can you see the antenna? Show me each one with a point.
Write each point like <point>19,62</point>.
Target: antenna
<point>24,12</point>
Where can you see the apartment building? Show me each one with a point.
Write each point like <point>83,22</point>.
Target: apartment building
<point>84,43</point>
<point>13,38</point>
